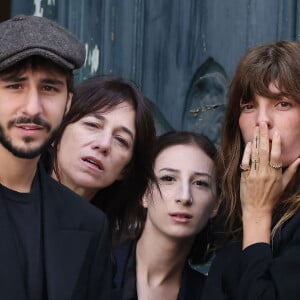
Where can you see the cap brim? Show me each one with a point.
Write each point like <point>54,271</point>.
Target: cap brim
<point>10,61</point>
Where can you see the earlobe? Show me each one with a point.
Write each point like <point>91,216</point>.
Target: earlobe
<point>69,102</point>
<point>145,201</point>
<point>215,210</point>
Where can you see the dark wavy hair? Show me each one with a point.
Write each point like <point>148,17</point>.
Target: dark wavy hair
<point>120,200</point>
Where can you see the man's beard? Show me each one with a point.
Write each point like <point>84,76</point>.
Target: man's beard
<point>19,151</point>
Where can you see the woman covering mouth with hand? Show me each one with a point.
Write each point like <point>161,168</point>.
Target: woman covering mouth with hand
<point>259,177</point>
<point>103,148</point>
<point>173,223</point>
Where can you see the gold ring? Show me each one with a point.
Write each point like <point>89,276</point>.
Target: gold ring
<point>244,168</point>
<point>275,166</point>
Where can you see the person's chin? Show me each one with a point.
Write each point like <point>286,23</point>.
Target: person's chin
<point>28,151</point>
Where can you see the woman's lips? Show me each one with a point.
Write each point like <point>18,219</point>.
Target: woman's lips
<point>180,217</point>
<point>94,162</point>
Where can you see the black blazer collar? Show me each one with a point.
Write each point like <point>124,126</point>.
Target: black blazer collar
<point>65,245</point>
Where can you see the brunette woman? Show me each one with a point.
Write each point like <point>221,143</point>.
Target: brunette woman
<point>260,190</point>
<point>174,230</point>
<point>103,148</point>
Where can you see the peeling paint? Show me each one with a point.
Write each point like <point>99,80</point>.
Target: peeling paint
<point>92,59</point>
<point>38,11</point>
<point>86,55</point>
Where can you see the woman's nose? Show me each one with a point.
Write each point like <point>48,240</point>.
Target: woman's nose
<point>102,143</point>
<point>184,196</point>
<point>264,113</point>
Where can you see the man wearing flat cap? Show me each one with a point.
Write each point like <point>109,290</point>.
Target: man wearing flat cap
<point>53,244</point>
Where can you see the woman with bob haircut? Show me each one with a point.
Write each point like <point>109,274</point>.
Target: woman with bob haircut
<point>260,179</point>
<point>103,148</point>
<point>173,232</point>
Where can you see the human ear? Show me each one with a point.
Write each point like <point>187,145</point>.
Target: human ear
<point>215,209</point>
<point>69,101</point>
<point>145,201</point>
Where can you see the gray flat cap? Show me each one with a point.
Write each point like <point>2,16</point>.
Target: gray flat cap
<point>24,36</point>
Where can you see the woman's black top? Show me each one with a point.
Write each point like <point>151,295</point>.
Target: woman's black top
<point>260,271</point>
<point>125,277</point>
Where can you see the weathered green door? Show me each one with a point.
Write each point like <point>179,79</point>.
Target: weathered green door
<point>182,53</point>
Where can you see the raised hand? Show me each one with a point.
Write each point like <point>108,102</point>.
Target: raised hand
<point>262,183</point>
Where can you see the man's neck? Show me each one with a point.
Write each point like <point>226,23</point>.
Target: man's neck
<point>16,173</point>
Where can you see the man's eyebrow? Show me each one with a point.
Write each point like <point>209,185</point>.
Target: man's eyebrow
<point>16,79</point>
<point>53,81</point>
<point>13,78</point>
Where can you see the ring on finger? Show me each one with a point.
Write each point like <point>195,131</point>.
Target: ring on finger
<point>275,166</point>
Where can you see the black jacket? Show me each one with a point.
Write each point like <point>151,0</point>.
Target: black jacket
<point>76,248</point>
<point>258,272</point>
<point>125,277</point>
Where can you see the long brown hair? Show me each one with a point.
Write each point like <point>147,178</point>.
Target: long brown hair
<point>278,63</point>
